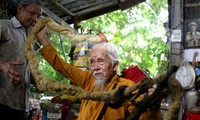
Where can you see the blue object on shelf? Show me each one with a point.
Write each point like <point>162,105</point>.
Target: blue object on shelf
<point>44,114</point>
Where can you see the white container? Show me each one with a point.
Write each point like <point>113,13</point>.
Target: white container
<point>191,99</point>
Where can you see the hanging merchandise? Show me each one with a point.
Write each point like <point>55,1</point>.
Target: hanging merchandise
<point>186,75</point>
<point>80,55</point>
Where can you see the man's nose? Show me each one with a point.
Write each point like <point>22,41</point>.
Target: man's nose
<point>96,66</point>
<point>34,18</point>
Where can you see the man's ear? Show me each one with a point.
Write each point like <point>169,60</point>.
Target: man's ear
<point>116,65</point>
<point>19,8</point>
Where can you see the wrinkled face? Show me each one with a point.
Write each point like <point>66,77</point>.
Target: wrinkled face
<point>101,65</point>
<point>28,15</point>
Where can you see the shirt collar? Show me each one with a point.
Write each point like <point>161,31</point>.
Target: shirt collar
<point>15,22</point>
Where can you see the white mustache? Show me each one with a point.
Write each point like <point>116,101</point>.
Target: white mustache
<point>98,72</point>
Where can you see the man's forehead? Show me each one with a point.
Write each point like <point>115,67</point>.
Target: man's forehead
<point>97,56</point>
<point>35,8</point>
<point>98,51</point>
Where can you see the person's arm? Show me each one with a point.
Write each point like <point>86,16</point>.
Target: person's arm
<point>49,53</point>
<point>8,68</point>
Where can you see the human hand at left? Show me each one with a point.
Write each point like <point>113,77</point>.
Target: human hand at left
<point>8,69</point>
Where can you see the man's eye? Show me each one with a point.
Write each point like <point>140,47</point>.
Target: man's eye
<point>32,13</point>
<point>101,61</point>
<point>91,62</point>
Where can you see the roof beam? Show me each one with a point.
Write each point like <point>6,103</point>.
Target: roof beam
<point>124,4</point>
<point>94,8</point>
<point>58,19</point>
<point>61,7</point>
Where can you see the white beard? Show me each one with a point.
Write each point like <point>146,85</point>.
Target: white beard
<point>99,84</point>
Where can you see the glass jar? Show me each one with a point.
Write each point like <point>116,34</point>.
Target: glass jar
<point>191,98</point>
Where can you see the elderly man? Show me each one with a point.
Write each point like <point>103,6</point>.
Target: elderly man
<point>102,76</point>
<point>193,36</point>
<point>14,72</point>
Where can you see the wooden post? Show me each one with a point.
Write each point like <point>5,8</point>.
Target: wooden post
<point>176,18</point>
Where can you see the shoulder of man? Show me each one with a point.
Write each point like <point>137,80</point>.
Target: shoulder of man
<point>126,81</point>
<point>5,22</point>
<point>4,27</point>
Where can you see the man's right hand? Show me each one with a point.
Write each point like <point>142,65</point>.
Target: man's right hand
<point>42,36</point>
<point>8,69</point>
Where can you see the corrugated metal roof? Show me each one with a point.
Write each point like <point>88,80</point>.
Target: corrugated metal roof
<point>72,11</point>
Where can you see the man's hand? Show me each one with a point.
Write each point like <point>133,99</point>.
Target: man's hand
<point>42,36</point>
<point>151,90</point>
<point>8,69</point>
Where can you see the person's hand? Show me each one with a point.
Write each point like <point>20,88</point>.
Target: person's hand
<point>42,36</point>
<point>8,69</point>
<point>151,90</point>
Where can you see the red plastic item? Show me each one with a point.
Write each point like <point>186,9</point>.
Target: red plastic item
<point>103,36</point>
<point>37,115</point>
<point>133,73</point>
<point>192,115</point>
